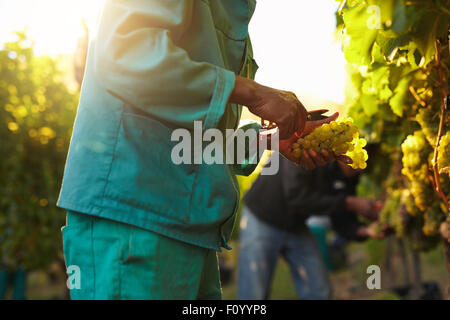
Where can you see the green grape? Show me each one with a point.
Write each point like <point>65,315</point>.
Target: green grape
<point>429,122</point>
<point>410,205</point>
<point>444,154</point>
<point>423,194</point>
<point>417,163</point>
<point>416,151</point>
<point>296,153</point>
<point>306,144</point>
<point>340,137</point>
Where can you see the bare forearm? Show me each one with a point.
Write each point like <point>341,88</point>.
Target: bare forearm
<point>279,106</point>
<point>245,92</point>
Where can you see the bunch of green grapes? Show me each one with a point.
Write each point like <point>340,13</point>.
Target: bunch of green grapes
<point>429,122</point>
<point>444,154</point>
<point>417,161</point>
<point>410,205</point>
<point>423,193</point>
<point>340,137</point>
<point>415,150</point>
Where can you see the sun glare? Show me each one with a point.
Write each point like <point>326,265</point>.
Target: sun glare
<point>293,40</point>
<point>54,25</point>
<point>294,46</point>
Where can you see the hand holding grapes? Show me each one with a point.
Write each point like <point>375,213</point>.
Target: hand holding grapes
<point>341,138</point>
<point>310,158</point>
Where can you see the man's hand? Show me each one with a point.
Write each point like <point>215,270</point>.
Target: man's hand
<point>373,230</point>
<point>365,207</point>
<point>281,107</point>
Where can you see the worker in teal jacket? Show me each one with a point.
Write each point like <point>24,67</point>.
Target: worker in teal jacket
<point>138,225</point>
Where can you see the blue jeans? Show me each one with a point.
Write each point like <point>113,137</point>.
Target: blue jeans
<point>260,247</point>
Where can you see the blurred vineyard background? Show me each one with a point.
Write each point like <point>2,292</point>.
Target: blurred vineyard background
<point>38,100</point>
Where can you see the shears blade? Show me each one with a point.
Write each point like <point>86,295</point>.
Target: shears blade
<point>316,115</point>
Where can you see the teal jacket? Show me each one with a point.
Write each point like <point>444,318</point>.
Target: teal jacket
<point>154,66</point>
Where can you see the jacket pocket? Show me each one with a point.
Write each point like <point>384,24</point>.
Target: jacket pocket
<point>143,174</point>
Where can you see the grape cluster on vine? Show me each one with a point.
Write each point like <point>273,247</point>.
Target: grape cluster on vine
<point>417,161</point>
<point>429,122</point>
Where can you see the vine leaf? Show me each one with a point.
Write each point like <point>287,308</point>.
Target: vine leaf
<point>400,93</point>
<point>370,105</point>
<point>414,56</point>
<point>424,35</point>
<point>400,23</point>
<point>388,45</point>
<point>361,36</point>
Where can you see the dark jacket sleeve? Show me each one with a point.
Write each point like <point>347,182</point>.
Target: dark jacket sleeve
<point>304,191</point>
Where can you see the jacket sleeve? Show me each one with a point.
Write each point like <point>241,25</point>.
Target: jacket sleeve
<point>137,59</point>
<point>304,195</point>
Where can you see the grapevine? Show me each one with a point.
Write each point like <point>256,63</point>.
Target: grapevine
<point>398,64</point>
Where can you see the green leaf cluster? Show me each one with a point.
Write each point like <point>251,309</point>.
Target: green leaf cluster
<point>36,117</point>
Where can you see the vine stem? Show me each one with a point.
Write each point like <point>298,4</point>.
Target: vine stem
<point>416,96</point>
<point>443,91</point>
<point>341,6</point>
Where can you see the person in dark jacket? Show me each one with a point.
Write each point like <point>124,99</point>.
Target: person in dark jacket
<point>273,224</point>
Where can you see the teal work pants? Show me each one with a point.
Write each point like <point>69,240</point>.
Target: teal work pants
<point>16,279</point>
<point>111,260</point>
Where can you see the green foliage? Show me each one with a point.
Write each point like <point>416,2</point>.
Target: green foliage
<point>36,117</point>
<point>394,91</point>
<point>376,250</point>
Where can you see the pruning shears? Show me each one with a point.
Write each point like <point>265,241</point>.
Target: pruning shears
<point>316,115</point>
<point>311,116</point>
